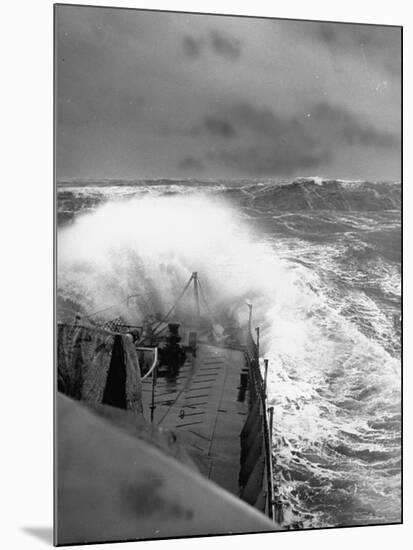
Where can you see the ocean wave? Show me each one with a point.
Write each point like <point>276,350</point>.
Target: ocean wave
<point>324,289</point>
<point>301,194</point>
<point>332,195</point>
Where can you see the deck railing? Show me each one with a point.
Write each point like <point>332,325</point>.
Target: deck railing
<point>258,387</point>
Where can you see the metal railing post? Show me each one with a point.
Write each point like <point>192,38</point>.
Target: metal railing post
<point>154,376</point>
<point>271,422</point>
<point>265,376</point>
<point>257,330</point>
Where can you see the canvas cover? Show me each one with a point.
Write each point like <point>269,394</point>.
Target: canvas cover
<point>98,366</point>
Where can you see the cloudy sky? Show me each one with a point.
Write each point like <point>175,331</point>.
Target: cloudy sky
<point>152,94</point>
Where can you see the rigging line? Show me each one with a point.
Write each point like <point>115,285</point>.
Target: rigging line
<point>214,332</point>
<point>113,305</point>
<point>105,309</point>
<point>174,306</point>
<point>203,297</point>
<point>204,300</point>
<point>126,300</point>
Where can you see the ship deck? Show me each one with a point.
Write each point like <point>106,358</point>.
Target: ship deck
<point>206,407</point>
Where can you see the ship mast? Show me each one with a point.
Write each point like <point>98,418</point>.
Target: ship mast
<point>198,295</point>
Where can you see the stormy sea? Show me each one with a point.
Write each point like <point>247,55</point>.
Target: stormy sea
<point>320,260</point>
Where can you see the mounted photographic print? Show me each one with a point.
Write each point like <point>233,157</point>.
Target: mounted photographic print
<point>228,274</point>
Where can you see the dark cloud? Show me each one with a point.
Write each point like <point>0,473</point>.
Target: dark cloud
<point>342,125</point>
<point>191,163</point>
<point>192,46</point>
<point>219,127</point>
<point>217,43</point>
<point>333,122</point>
<point>262,121</point>
<point>327,34</point>
<point>267,160</point>
<point>267,143</point>
<point>225,46</point>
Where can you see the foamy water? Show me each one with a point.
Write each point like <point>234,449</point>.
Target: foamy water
<point>326,292</point>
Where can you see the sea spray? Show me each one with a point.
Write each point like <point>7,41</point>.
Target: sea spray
<point>150,246</point>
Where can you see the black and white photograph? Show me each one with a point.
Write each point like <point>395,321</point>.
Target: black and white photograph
<point>228,316</point>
